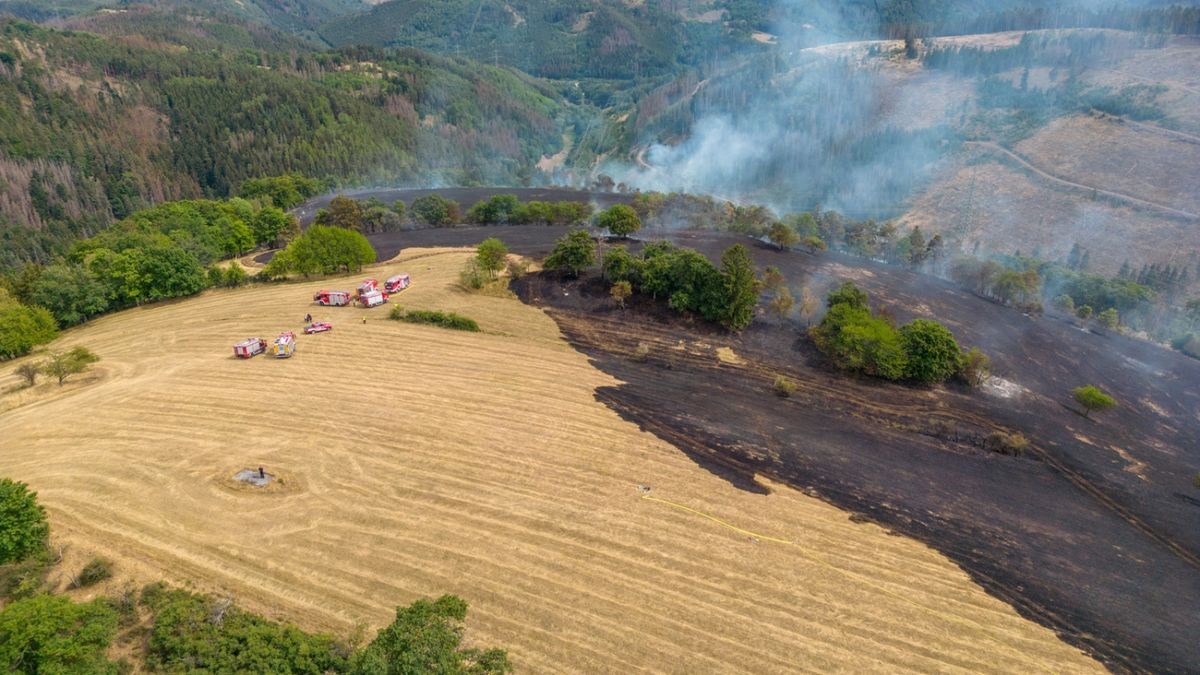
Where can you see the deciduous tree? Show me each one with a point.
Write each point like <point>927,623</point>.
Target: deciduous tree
<point>1092,399</point>
<point>620,219</point>
<point>574,252</point>
<point>23,527</point>
<point>62,365</point>
<point>490,255</point>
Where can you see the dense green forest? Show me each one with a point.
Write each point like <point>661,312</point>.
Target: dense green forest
<point>94,128</point>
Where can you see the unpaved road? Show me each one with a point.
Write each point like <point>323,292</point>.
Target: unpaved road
<point>1128,199</point>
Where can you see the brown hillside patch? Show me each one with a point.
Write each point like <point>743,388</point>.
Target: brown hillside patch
<point>1002,209</point>
<point>436,462</point>
<point>1110,155</point>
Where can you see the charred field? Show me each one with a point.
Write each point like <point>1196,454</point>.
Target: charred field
<point>1086,533</point>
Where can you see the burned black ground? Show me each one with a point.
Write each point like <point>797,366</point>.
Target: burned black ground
<point>1095,532</point>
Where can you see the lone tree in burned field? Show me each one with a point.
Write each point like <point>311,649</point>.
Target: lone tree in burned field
<point>621,220</point>
<point>783,235</point>
<point>1092,399</point>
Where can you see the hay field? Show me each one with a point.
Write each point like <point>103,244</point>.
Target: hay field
<point>419,461</point>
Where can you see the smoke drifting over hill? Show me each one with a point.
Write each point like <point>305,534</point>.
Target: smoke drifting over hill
<point>797,129</point>
<point>860,127</point>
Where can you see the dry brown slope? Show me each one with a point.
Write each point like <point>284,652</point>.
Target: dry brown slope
<point>420,461</point>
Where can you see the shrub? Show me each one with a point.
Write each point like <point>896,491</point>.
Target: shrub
<point>28,372</point>
<point>1109,318</point>
<point>932,353</point>
<point>781,304</point>
<point>641,352</point>
<point>518,268</point>
<point>62,365</point>
<point>23,527</point>
<point>784,386</point>
<point>1064,303</point>
<point>97,570</point>
<point>1092,399</point>
<point>1084,312</point>
<point>196,633</point>
<point>620,292</point>
<point>235,275</point>
<point>425,638</point>
<point>1006,444</point>
<point>51,634</point>
<point>434,318</point>
<point>975,367</point>
<point>472,277</point>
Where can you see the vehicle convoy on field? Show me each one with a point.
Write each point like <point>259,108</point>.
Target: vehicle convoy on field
<point>333,298</point>
<point>285,345</point>
<point>249,347</point>
<point>397,283</point>
<point>317,327</point>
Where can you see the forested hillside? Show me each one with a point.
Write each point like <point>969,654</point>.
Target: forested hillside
<point>551,38</point>
<point>93,128</point>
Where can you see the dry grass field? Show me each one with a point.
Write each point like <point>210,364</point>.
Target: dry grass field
<point>992,203</point>
<point>1103,152</point>
<point>418,461</point>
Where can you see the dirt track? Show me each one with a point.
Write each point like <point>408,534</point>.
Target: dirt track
<point>418,461</point>
<point>1078,187</point>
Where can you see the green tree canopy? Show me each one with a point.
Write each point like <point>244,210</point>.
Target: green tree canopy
<point>490,255</point>
<point>186,638</point>
<point>741,287</point>
<point>933,355</point>
<point>435,210</point>
<point>856,341</point>
<point>343,212</point>
<point>1092,399</point>
<point>71,293</point>
<point>322,250</point>
<point>574,252</point>
<point>284,192</point>
<point>426,638</point>
<point>847,294</point>
<point>496,210</point>
<point>51,634</point>
<point>23,527</point>
<point>782,235</point>
<point>22,328</point>
<point>619,219</point>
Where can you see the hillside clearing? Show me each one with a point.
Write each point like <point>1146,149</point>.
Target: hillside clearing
<point>420,461</point>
